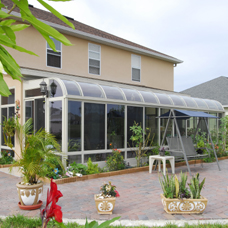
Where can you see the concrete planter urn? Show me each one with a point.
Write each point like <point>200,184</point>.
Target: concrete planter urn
<point>29,194</point>
<point>184,206</point>
<point>106,205</point>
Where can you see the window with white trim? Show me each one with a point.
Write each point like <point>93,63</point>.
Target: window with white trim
<point>54,58</point>
<point>94,59</point>
<point>136,68</point>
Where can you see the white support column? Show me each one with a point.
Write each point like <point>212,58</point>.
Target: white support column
<point>82,131</point>
<point>125,131</point>
<point>106,126</point>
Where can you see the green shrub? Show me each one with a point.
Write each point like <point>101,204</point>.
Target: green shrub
<point>6,158</point>
<point>92,168</point>
<point>56,169</point>
<point>115,161</point>
<point>78,168</point>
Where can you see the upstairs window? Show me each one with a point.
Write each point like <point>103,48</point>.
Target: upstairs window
<point>136,68</point>
<point>54,58</point>
<point>94,59</point>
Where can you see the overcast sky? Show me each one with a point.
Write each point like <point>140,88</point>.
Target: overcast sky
<point>195,31</point>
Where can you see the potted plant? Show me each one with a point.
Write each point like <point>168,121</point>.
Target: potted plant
<point>177,198</point>
<point>105,201</point>
<point>36,152</point>
<point>162,151</point>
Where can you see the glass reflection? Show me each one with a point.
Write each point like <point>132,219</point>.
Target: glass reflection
<point>149,97</point>
<point>218,105</point>
<point>177,100</point>
<point>200,103</point>
<point>39,120</point>
<point>4,115</point>
<point>210,104</point>
<point>189,102</point>
<point>71,87</point>
<point>10,99</point>
<point>163,123</point>
<point>151,122</point>
<point>213,127</point>
<point>98,157</point>
<point>74,158</point>
<point>90,90</point>
<point>94,126</point>
<point>134,114</point>
<point>131,95</point>
<point>115,126</point>
<point>74,126</point>
<point>164,99</point>
<point>56,120</point>
<point>112,92</point>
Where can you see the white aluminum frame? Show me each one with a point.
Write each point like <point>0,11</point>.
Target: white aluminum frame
<point>65,98</point>
<point>136,68</point>
<point>94,58</point>
<point>61,51</point>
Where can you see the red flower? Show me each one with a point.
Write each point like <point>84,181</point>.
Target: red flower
<point>54,193</point>
<point>52,210</point>
<point>117,193</point>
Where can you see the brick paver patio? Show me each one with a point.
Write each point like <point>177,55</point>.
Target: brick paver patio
<point>139,196</point>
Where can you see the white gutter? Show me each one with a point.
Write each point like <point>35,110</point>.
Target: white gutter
<point>98,39</point>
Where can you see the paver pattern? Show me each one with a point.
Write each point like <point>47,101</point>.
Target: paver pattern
<point>139,196</point>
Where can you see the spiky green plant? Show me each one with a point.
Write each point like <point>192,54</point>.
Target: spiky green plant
<point>195,187</point>
<point>177,186</point>
<point>36,149</point>
<point>183,190</point>
<point>168,186</point>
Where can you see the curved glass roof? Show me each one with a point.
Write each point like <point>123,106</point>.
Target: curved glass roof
<point>71,87</point>
<point>132,95</point>
<point>112,92</point>
<point>91,90</point>
<point>149,97</point>
<point>115,93</point>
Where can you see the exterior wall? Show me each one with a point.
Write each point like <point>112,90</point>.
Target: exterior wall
<point>226,111</point>
<point>115,63</point>
<point>18,86</point>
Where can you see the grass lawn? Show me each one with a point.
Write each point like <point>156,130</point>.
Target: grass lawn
<point>20,221</point>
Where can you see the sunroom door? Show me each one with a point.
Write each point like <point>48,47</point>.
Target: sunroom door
<point>35,109</point>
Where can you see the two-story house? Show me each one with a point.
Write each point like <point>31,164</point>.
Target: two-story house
<point>97,88</point>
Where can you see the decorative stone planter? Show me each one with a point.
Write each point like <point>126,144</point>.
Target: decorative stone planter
<point>185,206</point>
<point>105,206</point>
<point>29,194</point>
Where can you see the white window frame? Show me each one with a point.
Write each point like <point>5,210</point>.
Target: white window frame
<point>94,58</point>
<point>132,56</point>
<point>7,106</point>
<point>61,53</point>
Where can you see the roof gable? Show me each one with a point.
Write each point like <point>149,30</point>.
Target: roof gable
<point>216,89</point>
<point>83,28</point>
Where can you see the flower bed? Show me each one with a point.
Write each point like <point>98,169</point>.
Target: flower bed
<point>98,175</point>
<point>5,166</point>
<point>119,172</point>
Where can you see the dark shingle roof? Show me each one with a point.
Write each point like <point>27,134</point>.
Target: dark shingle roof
<point>216,89</point>
<point>49,17</point>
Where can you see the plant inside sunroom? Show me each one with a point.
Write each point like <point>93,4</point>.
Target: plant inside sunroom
<point>141,140</point>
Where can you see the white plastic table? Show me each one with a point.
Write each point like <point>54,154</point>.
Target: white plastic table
<point>163,159</point>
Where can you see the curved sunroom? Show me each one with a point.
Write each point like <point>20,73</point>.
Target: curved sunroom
<point>89,118</point>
